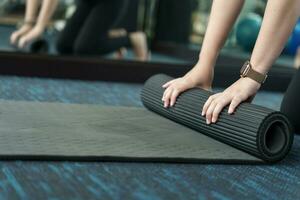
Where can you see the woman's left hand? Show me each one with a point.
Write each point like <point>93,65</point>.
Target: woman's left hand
<point>242,90</point>
<point>35,33</point>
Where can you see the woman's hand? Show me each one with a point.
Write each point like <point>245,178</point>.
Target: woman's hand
<point>174,88</point>
<point>19,33</point>
<point>242,90</point>
<point>33,34</point>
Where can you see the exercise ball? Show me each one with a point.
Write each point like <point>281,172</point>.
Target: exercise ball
<point>247,31</point>
<point>294,41</point>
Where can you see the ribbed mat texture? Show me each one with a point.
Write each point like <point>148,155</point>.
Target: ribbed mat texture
<point>259,131</point>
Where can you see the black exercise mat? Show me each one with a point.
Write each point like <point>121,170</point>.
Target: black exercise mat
<point>39,46</point>
<point>259,131</point>
<point>53,131</point>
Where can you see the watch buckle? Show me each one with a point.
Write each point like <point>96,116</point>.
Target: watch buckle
<point>246,70</point>
<point>266,76</point>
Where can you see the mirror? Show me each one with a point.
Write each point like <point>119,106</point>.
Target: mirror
<point>143,30</point>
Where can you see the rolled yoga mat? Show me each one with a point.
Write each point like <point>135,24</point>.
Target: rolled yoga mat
<point>259,131</point>
<point>39,45</point>
<point>56,131</point>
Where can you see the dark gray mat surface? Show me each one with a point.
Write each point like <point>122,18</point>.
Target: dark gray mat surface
<point>53,131</point>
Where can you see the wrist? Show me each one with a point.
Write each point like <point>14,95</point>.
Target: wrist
<point>200,76</point>
<point>41,24</point>
<point>259,67</point>
<point>30,19</point>
<point>189,78</point>
<point>248,71</point>
<point>254,84</point>
<point>40,27</point>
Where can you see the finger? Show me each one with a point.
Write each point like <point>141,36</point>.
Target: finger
<point>22,43</point>
<point>167,98</point>
<point>209,112</point>
<point>25,40</point>
<point>14,38</point>
<point>165,93</point>
<point>174,96</point>
<point>167,84</point>
<point>219,107</point>
<point>234,103</point>
<point>207,103</point>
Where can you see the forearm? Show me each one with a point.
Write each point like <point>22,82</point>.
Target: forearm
<point>223,16</point>
<point>279,19</point>
<point>47,10</point>
<point>31,10</point>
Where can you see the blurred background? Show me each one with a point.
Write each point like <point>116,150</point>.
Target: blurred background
<point>173,30</point>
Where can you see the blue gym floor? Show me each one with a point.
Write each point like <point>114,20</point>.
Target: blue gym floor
<point>110,180</point>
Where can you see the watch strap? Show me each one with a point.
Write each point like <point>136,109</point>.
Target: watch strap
<point>258,77</point>
<point>248,71</point>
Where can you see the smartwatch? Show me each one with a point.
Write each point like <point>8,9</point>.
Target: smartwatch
<point>248,71</point>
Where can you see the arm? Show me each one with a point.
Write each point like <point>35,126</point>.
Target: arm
<point>222,17</point>
<point>47,10</point>
<point>30,18</point>
<point>31,10</point>
<point>279,20</point>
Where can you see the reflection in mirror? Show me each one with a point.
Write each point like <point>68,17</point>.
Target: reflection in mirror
<point>113,29</point>
<point>125,29</point>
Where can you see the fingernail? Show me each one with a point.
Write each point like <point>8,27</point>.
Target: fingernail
<point>207,121</point>
<point>214,120</point>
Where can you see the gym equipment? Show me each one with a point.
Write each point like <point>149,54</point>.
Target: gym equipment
<point>259,131</point>
<point>247,31</point>
<point>49,131</point>
<point>40,46</point>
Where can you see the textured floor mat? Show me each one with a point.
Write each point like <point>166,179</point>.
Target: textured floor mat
<point>54,131</point>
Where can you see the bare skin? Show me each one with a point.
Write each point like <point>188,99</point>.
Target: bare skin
<point>139,45</point>
<point>279,20</point>
<point>138,41</point>
<point>30,18</point>
<point>28,33</point>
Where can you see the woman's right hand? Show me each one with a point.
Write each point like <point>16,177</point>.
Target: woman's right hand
<point>174,88</point>
<point>15,36</point>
